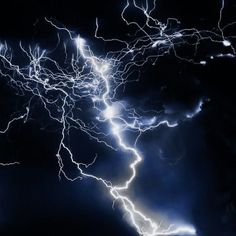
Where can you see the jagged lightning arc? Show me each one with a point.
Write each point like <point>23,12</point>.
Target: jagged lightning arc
<point>96,80</point>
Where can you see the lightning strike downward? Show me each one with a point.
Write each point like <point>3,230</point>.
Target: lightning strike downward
<point>143,224</point>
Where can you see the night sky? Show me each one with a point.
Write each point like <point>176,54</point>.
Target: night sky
<point>188,172</point>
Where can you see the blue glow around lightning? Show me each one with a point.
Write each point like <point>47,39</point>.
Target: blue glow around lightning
<point>96,80</point>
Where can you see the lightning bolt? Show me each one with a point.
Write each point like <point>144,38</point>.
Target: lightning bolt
<point>96,81</point>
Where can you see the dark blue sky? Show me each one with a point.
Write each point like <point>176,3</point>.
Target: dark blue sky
<point>199,188</point>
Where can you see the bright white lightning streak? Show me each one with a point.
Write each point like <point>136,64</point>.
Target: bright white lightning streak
<point>135,215</point>
<point>197,110</point>
<point>97,81</point>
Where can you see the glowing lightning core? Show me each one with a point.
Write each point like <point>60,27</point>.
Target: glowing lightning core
<point>143,224</point>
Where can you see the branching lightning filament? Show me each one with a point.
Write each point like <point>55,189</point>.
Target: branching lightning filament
<point>83,77</point>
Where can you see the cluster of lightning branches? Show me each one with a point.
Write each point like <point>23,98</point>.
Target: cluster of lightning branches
<point>84,77</point>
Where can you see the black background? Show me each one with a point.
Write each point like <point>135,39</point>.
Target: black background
<point>201,187</point>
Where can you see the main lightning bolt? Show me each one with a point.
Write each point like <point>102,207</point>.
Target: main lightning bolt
<point>97,82</point>
<point>143,224</point>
